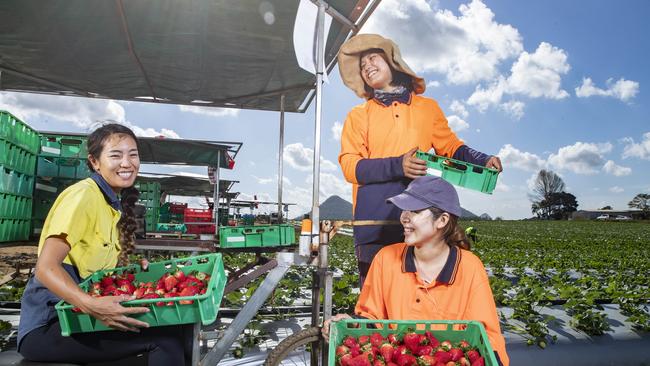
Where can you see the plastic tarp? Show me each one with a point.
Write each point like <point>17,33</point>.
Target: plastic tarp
<point>226,53</point>
<point>178,185</point>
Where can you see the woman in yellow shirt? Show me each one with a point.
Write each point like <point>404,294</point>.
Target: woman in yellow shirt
<point>432,275</point>
<point>91,227</point>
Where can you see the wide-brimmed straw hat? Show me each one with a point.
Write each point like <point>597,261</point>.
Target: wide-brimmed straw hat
<point>351,70</point>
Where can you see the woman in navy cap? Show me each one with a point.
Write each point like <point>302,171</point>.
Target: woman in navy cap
<point>432,275</point>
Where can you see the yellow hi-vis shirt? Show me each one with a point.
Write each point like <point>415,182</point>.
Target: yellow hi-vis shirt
<point>89,224</point>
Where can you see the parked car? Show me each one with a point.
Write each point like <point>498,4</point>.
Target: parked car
<point>603,217</point>
<point>623,217</point>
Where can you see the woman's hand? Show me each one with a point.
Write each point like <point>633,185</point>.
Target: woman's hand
<point>326,325</point>
<point>109,311</point>
<point>412,166</point>
<point>495,163</point>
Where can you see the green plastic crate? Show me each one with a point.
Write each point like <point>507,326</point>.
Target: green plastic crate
<point>170,228</point>
<point>14,229</point>
<point>204,309</point>
<point>63,146</point>
<point>15,207</point>
<point>18,132</point>
<point>16,158</point>
<point>451,330</point>
<point>460,173</point>
<point>67,168</point>
<point>256,236</point>
<point>16,183</point>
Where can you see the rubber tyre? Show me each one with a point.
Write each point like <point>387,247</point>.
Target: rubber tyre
<point>292,342</point>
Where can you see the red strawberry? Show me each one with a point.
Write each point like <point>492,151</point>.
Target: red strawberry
<point>391,364</point>
<point>378,362</point>
<point>386,351</point>
<point>376,339</point>
<point>355,350</point>
<point>392,338</point>
<point>451,363</point>
<point>413,341</point>
<point>478,362</point>
<point>170,283</point>
<point>345,360</point>
<point>76,310</point>
<point>202,291</point>
<point>107,281</point>
<point>442,356</point>
<point>473,355</point>
<point>188,291</point>
<point>342,350</point>
<point>464,345</point>
<point>95,288</point>
<point>446,345</point>
<point>400,350</point>
<point>426,360</point>
<point>424,350</point>
<point>139,292</point>
<point>179,274</point>
<point>405,359</point>
<point>350,341</point>
<point>121,282</point>
<point>456,354</point>
<point>364,339</point>
<point>364,359</point>
<point>129,276</point>
<point>464,362</point>
<point>433,341</point>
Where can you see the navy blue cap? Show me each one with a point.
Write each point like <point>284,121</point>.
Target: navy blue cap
<point>428,191</point>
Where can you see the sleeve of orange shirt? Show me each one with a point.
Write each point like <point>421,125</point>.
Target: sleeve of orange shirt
<point>353,143</point>
<point>443,139</point>
<point>481,307</point>
<point>371,300</point>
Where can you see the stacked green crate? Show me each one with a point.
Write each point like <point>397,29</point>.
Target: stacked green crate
<point>63,156</point>
<point>150,198</point>
<point>45,193</point>
<point>18,148</point>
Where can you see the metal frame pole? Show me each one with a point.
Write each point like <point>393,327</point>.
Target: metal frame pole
<point>215,196</point>
<point>280,159</point>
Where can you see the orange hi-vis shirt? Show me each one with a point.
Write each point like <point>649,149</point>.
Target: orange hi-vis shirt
<point>373,130</point>
<point>394,290</point>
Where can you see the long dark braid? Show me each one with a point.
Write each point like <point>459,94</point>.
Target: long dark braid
<point>129,196</point>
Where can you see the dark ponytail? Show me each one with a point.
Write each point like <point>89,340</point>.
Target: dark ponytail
<point>128,196</point>
<point>453,234</point>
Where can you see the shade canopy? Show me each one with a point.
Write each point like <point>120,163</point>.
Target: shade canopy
<point>179,185</point>
<point>225,53</point>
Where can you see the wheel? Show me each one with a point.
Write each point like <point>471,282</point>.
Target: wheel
<point>295,349</point>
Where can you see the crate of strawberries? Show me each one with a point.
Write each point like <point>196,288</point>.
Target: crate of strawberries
<point>177,291</point>
<point>365,342</point>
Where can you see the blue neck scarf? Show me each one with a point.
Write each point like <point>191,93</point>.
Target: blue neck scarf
<point>109,194</point>
<point>401,94</point>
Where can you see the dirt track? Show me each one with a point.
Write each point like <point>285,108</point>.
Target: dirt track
<point>16,254</point>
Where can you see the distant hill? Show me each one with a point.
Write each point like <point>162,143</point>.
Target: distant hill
<point>485,216</point>
<point>336,208</point>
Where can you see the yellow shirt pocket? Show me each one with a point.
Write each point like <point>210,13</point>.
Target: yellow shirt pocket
<point>99,255</point>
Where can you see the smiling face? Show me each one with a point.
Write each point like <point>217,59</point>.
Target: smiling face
<point>420,226</point>
<point>375,71</point>
<point>119,162</point>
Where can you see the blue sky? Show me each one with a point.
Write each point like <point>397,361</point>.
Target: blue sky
<point>558,85</point>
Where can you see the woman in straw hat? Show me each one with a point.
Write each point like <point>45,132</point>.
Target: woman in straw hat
<point>381,135</point>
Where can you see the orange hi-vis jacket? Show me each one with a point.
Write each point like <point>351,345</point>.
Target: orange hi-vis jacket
<point>394,290</point>
<point>373,140</point>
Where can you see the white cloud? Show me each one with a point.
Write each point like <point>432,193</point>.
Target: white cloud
<point>210,111</point>
<point>457,124</point>
<point>84,113</point>
<point>513,157</point>
<point>538,74</point>
<point>337,128</point>
<point>458,108</point>
<point>433,84</point>
<point>502,187</point>
<point>622,89</point>
<point>640,150</point>
<point>616,189</point>
<point>580,158</point>
<point>612,168</point>
<point>301,157</point>
<point>466,48</point>
<point>263,180</point>
<point>514,108</point>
